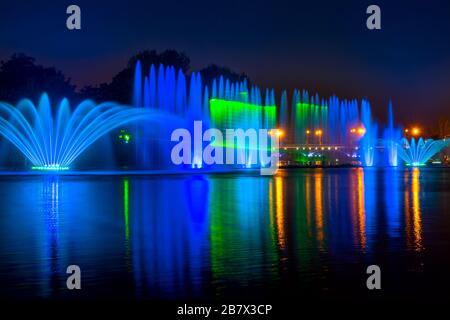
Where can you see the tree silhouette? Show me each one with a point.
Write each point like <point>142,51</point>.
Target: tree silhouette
<point>213,71</point>
<point>20,77</point>
<point>444,128</point>
<point>179,60</point>
<point>121,87</point>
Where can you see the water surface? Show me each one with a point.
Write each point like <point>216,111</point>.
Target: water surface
<point>304,232</point>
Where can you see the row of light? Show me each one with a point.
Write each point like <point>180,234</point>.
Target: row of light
<point>315,148</point>
<point>360,131</point>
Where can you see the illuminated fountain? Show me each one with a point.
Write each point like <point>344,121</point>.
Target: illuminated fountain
<point>222,105</point>
<point>306,119</point>
<point>165,89</point>
<point>53,140</point>
<point>368,142</point>
<point>418,153</point>
<point>332,117</point>
<point>391,137</point>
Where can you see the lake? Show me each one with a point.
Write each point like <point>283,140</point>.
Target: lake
<point>303,232</point>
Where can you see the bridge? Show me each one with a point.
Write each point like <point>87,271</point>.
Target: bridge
<point>319,154</point>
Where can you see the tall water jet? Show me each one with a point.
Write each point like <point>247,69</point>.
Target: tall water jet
<point>53,141</point>
<point>418,153</point>
<point>332,118</point>
<point>391,138</point>
<point>164,89</point>
<point>223,105</point>
<point>308,119</point>
<point>137,86</point>
<point>368,142</point>
<point>283,114</point>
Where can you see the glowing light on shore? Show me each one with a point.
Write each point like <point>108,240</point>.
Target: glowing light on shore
<point>415,131</point>
<point>277,132</point>
<point>360,131</point>
<point>125,136</point>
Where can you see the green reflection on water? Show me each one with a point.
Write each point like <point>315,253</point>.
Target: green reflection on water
<point>241,233</point>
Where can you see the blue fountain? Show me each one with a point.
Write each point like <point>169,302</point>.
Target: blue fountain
<point>418,153</point>
<point>391,137</point>
<point>368,142</point>
<point>52,140</point>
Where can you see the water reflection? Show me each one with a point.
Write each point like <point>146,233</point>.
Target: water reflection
<point>126,209</point>
<point>413,220</point>
<point>169,236</point>
<point>392,202</point>
<point>360,207</point>
<point>370,199</point>
<point>318,197</point>
<point>308,193</point>
<point>280,212</point>
<point>357,206</point>
<point>126,219</point>
<point>415,189</point>
<point>206,236</point>
<point>241,232</point>
<point>51,268</point>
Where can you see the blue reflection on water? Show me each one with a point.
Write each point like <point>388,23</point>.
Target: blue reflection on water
<point>392,201</point>
<point>222,235</point>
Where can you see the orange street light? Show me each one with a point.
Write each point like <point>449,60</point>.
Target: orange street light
<point>318,133</point>
<point>361,131</point>
<point>308,132</point>
<point>415,131</point>
<point>277,132</point>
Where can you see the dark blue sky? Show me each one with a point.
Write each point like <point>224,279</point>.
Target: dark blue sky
<point>322,46</point>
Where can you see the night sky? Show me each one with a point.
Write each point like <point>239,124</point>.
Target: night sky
<point>322,46</point>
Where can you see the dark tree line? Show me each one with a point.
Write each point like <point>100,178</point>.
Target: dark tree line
<point>21,76</point>
<point>213,71</point>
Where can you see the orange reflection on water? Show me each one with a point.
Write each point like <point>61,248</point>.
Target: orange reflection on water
<point>308,202</point>
<point>407,209</point>
<point>271,204</point>
<point>279,211</point>
<point>357,205</point>
<point>413,212</point>
<point>272,212</point>
<point>417,221</point>
<point>318,193</point>
<point>361,207</point>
